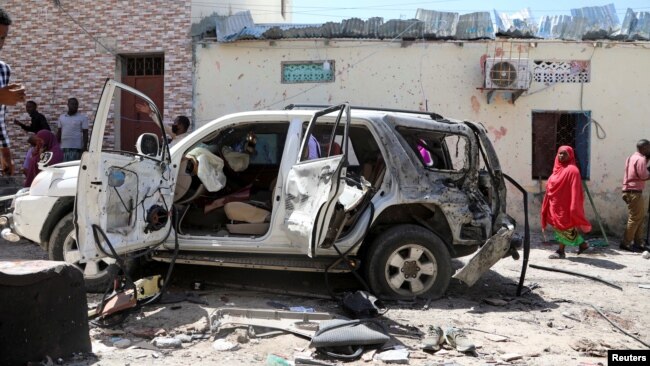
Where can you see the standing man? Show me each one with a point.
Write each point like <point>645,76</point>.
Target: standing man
<point>636,173</point>
<point>73,132</point>
<point>39,122</point>
<point>178,130</point>
<point>10,94</point>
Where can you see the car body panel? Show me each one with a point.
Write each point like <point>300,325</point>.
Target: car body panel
<point>30,213</point>
<point>117,191</point>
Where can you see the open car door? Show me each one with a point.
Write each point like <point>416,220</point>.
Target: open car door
<point>124,199</point>
<point>316,181</point>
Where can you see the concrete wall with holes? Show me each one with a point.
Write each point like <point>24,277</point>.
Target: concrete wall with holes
<point>444,77</point>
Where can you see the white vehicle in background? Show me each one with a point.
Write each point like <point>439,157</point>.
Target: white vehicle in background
<point>400,192</point>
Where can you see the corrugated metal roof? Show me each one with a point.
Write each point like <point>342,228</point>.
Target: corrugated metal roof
<point>437,24</point>
<point>519,24</point>
<point>636,26</point>
<point>475,26</point>
<point>596,22</point>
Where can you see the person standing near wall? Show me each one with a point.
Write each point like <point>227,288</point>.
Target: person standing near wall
<point>636,174</point>
<point>10,94</point>
<point>73,132</point>
<point>563,205</point>
<point>38,120</point>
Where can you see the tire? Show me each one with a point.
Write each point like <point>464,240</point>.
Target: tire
<point>408,261</point>
<point>63,247</point>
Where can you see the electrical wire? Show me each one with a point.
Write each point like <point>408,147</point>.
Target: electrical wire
<point>75,21</point>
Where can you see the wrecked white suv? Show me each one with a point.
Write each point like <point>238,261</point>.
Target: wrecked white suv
<point>397,194</point>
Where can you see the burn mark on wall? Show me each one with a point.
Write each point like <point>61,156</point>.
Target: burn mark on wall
<point>498,133</point>
<point>476,105</point>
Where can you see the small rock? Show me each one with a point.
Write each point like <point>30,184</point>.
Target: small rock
<point>496,338</point>
<point>418,355</point>
<point>241,335</point>
<point>122,343</point>
<point>224,345</point>
<point>165,342</point>
<point>510,357</point>
<point>646,255</point>
<point>549,324</point>
<point>400,356</point>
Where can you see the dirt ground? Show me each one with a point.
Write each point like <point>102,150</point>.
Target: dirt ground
<point>555,321</point>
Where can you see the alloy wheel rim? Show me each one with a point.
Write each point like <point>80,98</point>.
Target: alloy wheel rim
<point>411,270</point>
<point>92,269</point>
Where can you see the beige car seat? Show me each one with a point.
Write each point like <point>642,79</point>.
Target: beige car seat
<point>248,219</point>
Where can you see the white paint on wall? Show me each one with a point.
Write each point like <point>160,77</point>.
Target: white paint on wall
<point>444,76</point>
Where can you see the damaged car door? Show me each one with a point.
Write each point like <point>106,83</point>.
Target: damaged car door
<point>124,199</point>
<point>316,181</point>
<point>503,226</point>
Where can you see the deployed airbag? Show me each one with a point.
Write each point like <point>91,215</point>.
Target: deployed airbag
<point>210,170</point>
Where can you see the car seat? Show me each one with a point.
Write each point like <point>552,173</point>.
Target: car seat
<point>247,218</point>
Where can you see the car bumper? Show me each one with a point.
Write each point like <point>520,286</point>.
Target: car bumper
<point>29,215</point>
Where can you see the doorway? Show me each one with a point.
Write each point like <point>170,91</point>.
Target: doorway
<point>146,74</point>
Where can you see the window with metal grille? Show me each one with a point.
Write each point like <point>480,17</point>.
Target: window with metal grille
<point>307,72</point>
<point>550,72</point>
<point>554,129</point>
<point>144,65</point>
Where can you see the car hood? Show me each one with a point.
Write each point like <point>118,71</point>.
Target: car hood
<point>58,180</point>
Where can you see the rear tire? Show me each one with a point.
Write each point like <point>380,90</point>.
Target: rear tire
<point>98,274</point>
<point>408,261</point>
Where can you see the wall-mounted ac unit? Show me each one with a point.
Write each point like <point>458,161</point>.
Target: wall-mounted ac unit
<point>507,73</point>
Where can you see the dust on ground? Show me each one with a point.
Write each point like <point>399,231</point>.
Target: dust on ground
<point>555,321</point>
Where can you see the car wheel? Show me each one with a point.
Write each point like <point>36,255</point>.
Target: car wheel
<point>63,247</point>
<point>408,261</point>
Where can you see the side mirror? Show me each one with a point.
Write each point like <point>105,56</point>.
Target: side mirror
<point>44,159</point>
<point>147,144</point>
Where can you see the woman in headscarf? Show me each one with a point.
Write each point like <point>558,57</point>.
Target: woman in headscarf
<point>563,205</point>
<point>45,142</point>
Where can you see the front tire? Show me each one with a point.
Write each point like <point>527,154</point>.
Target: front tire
<point>408,261</point>
<point>63,247</point>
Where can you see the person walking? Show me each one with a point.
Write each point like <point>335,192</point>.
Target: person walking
<point>10,94</point>
<point>634,178</point>
<point>38,120</point>
<point>563,205</point>
<point>73,132</point>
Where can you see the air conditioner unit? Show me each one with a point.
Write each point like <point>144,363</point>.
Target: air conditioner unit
<point>506,73</point>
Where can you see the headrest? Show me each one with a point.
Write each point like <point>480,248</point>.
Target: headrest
<point>237,161</point>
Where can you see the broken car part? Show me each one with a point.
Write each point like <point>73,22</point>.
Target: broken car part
<point>299,323</point>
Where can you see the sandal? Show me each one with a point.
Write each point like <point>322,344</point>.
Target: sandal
<point>557,255</point>
<point>583,247</point>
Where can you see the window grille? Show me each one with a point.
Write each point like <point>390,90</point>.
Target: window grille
<point>308,72</point>
<point>554,129</point>
<point>145,65</point>
<point>551,72</point>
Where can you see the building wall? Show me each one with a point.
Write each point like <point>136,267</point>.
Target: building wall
<point>262,11</point>
<point>444,76</point>
<point>57,58</point>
